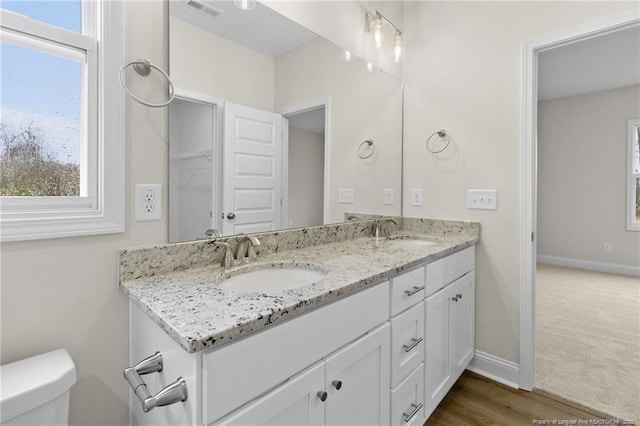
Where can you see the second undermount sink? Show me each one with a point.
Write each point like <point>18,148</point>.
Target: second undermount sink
<point>272,277</point>
<point>411,240</point>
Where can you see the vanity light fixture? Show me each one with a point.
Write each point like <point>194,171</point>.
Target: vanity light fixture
<point>375,24</point>
<point>397,47</point>
<point>245,4</point>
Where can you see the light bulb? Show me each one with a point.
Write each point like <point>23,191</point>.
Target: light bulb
<point>376,27</point>
<point>397,47</point>
<point>245,4</point>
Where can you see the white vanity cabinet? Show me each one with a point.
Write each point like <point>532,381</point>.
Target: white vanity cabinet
<point>449,323</point>
<point>385,355</point>
<point>347,388</point>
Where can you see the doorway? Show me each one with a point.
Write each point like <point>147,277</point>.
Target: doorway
<point>306,164</point>
<point>532,50</point>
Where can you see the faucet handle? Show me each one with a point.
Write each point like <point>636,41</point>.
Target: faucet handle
<point>227,260</point>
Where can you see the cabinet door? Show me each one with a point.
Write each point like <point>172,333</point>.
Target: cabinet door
<point>437,350</point>
<point>361,372</point>
<point>295,403</point>
<point>462,323</point>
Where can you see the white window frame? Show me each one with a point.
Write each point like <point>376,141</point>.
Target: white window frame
<point>100,208</point>
<point>633,172</point>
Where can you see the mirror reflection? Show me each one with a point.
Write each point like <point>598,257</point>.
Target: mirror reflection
<point>274,127</point>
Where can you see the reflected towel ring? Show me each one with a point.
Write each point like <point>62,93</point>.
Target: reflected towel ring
<point>143,67</point>
<point>442,134</point>
<point>371,145</point>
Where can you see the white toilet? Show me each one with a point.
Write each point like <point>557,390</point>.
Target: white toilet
<point>35,391</point>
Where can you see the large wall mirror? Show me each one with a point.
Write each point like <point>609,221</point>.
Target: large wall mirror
<point>274,127</point>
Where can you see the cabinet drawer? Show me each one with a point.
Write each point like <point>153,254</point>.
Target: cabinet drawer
<point>443,271</point>
<point>407,400</point>
<point>239,372</point>
<point>407,289</point>
<point>407,343</point>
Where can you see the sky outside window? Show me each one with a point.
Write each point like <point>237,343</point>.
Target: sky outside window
<point>40,89</point>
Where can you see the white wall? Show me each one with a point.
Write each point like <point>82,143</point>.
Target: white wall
<point>205,63</point>
<point>362,106</point>
<point>582,183</point>
<point>306,178</point>
<point>63,293</point>
<point>462,73</point>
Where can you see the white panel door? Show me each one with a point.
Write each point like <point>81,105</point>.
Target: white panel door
<point>295,403</point>
<point>252,170</point>
<point>357,382</point>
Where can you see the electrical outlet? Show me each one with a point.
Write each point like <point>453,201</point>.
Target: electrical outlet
<point>607,248</point>
<point>482,199</point>
<point>416,197</point>
<point>388,196</point>
<point>148,202</point>
<point>345,195</point>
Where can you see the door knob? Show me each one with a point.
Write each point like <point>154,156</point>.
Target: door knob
<point>231,216</point>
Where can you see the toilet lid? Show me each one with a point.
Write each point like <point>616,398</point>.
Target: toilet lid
<point>31,382</point>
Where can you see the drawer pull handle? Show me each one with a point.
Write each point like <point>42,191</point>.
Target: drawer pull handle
<point>414,410</point>
<point>459,295</point>
<point>337,384</point>
<point>322,395</point>
<point>414,342</point>
<point>415,290</point>
<point>455,298</point>
<point>170,394</point>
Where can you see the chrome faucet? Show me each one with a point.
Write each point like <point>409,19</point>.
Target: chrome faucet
<point>381,227</point>
<point>245,251</point>
<point>213,232</point>
<point>227,259</point>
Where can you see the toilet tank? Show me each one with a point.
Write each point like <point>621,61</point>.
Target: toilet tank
<point>35,391</point>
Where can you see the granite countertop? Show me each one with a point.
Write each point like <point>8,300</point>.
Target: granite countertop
<point>199,315</point>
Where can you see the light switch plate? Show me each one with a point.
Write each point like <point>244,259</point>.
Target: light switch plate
<point>482,199</point>
<point>416,197</point>
<point>345,195</point>
<point>388,196</point>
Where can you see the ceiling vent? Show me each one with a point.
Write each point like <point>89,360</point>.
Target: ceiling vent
<point>209,10</point>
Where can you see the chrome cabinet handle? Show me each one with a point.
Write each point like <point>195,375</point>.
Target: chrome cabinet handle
<point>459,295</point>
<point>414,410</point>
<point>415,290</point>
<point>455,298</point>
<point>322,395</point>
<point>337,384</point>
<point>414,342</point>
<point>170,394</point>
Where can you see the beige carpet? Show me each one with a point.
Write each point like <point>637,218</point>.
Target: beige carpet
<point>588,339</point>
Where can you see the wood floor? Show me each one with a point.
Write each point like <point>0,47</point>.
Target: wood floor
<point>474,400</point>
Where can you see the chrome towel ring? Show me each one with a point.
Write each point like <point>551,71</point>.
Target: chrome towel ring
<point>372,149</point>
<point>441,134</point>
<point>143,67</point>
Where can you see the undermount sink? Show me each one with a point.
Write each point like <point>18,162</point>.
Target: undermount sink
<point>410,240</point>
<point>272,277</point>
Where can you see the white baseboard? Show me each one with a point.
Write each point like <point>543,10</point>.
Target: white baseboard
<point>494,368</point>
<point>612,268</point>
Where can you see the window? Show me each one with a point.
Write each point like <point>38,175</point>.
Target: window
<point>61,123</point>
<point>633,183</point>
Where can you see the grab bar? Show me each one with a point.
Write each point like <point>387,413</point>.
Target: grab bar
<point>170,394</point>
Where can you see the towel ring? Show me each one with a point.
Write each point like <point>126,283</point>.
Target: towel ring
<point>442,134</point>
<point>143,67</point>
<point>369,143</point>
